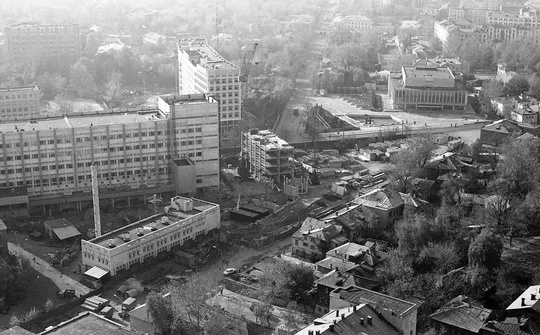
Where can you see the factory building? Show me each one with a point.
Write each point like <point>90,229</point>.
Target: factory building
<point>185,220</point>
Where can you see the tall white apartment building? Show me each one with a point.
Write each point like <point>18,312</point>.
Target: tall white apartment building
<point>19,102</point>
<point>184,221</point>
<point>202,70</point>
<point>137,154</point>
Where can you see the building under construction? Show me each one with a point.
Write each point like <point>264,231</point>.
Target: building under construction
<point>267,155</point>
<point>185,220</point>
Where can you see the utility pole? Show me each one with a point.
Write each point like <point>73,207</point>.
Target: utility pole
<point>95,199</point>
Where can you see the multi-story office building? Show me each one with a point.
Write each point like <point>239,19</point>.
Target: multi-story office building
<point>452,32</point>
<point>202,70</point>
<point>137,154</point>
<point>474,15</point>
<point>19,102</point>
<point>525,18</point>
<point>428,88</point>
<point>268,155</point>
<point>185,220</point>
<point>504,24</point>
<point>35,43</point>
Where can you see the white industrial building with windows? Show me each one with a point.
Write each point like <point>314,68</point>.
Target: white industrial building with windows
<point>185,220</point>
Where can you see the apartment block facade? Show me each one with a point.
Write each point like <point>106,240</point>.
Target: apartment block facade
<point>202,70</point>
<point>268,155</point>
<point>19,102</point>
<point>135,153</point>
<point>31,43</point>
<point>185,220</point>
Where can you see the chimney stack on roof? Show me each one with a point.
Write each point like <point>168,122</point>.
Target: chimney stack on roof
<point>523,302</point>
<point>533,296</point>
<point>369,320</point>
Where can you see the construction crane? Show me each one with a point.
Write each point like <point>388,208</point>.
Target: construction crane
<point>217,24</point>
<point>247,63</point>
<point>155,200</point>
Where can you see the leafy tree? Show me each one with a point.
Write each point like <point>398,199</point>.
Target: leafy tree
<point>410,162</point>
<point>113,90</point>
<point>287,281</point>
<point>405,36</point>
<point>81,81</point>
<point>51,85</point>
<point>161,311</point>
<point>66,106</point>
<point>517,85</point>
<point>518,172</point>
<point>262,311</point>
<point>485,251</point>
<point>188,299</point>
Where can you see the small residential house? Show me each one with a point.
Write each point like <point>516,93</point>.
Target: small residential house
<point>88,323</point>
<point>315,237</point>
<point>355,221</point>
<point>385,203</point>
<point>61,230</point>
<point>400,313</point>
<point>356,319</point>
<point>348,265</point>
<point>527,303</point>
<point>526,115</point>
<point>461,316</point>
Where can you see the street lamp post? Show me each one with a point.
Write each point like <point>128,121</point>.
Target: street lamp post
<point>220,254</point>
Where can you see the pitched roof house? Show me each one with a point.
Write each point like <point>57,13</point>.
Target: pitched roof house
<point>400,313</point>
<point>356,319</point>
<point>385,203</point>
<point>462,315</point>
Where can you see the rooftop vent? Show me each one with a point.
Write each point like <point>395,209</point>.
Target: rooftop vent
<point>126,237</point>
<point>140,231</point>
<point>111,243</point>
<point>164,220</point>
<point>154,228</point>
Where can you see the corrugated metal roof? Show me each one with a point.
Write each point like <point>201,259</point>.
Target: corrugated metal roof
<point>66,232</point>
<point>96,272</point>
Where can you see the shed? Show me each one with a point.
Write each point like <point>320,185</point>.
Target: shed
<point>129,303</point>
<point>61,229</point>
<point>184,258</point>
<point>96,276</point>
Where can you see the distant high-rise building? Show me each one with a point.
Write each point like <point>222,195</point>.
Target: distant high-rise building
<point>19,102</point>
<point>202,70</point>
<point>32,43</point>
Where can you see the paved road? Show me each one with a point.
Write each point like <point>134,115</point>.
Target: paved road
<point>61,281</point>
<point>370,133</point>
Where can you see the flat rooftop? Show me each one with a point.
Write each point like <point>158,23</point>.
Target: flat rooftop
<point>188,98</point>
<point>269,140</point>
<point>19,88</point>
<point>209,56</point>
<point>97,119</point>
<point>435,72</point>
<point>151,224</point>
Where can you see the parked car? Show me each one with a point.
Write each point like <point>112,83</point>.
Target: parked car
<point>229,271</point>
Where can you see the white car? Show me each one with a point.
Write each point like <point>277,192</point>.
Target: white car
<point>229,271</point>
